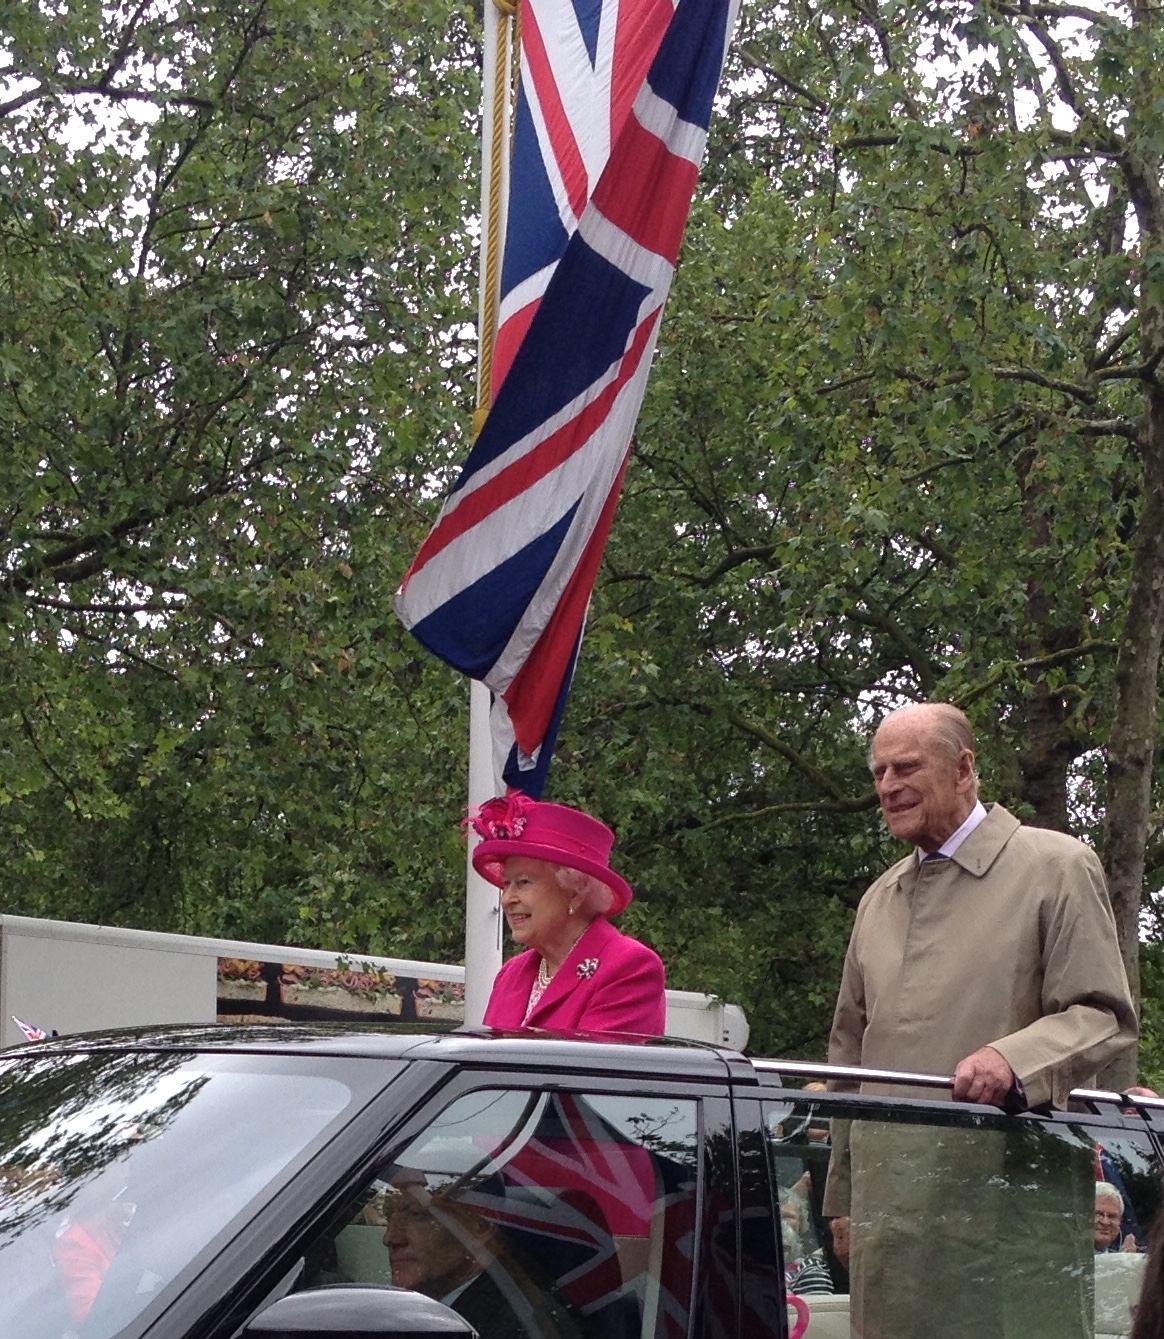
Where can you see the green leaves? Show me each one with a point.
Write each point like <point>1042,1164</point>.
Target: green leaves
<point>220,282</point>
<point>891,448</point>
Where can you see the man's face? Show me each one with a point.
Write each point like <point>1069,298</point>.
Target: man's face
<point>925,795</point>
<point>423,1255</point>
<point>1108,1212</point>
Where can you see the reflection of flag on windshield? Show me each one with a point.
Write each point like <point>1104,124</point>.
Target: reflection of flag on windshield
<point>611,1221</point>
<point>499,589</point>
<point>30,1033</point>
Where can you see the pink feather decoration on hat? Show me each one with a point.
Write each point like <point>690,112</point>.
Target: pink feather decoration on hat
<point>503,818</point>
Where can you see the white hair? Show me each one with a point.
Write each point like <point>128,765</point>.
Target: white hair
<point>950,730</point>
<point>594,897</point>
<point>1104,1190</point>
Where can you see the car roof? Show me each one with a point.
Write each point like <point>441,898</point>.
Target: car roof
<point>462,1046</point>
<point>659,1057</point>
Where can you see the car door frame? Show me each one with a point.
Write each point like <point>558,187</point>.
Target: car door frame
<point>244,1275</point>
<point>1096,1111</point>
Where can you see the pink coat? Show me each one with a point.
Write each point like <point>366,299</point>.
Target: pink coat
<point>609,983</point>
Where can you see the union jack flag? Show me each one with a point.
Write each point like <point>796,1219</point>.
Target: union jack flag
<point>31,1033</point>
<point>499,589</point>
<point>580,71</point>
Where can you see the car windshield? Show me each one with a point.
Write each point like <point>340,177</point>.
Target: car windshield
<point>118,1167</point>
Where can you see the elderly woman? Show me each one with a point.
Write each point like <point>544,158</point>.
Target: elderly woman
<point>552,864</point>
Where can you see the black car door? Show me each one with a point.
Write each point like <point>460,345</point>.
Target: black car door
<point>912,1218</point>
<point>544,1205</point>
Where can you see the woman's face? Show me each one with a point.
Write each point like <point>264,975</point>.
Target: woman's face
<point>536,906</point>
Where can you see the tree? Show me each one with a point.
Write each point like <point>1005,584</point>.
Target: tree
<point>237,277</point>
<point>902,442</point>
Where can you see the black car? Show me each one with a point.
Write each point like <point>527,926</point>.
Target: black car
<point>243,1181</point>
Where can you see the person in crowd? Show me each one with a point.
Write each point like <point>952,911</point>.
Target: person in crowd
<point>1109,1214</point>
<point>805,1272</point>
<point>85,1247</point>
<point>988,953</point>
<point>839,1231</point>
<point>558,892</point>
<point>818,1130</point>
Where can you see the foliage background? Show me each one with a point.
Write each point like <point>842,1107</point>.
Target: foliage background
<point>899,443</point>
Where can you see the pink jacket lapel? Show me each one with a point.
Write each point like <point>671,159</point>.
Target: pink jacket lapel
<point>598,936</point>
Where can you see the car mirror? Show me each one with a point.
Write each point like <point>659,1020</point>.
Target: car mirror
<point>355,1311</point>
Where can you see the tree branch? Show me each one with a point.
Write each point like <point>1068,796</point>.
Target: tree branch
<point>1045,11</point>
<point>928,671</point>
<point>72,607</point>
<point>1104,355</point>
<point>1106,427</point>
<point>814,774</point>
<point>849,806</point>
<point>1049,661</point>
<point>757,63</point>
<point>30,735</point>
<point>1055,56</point>
<point>1077,392</point>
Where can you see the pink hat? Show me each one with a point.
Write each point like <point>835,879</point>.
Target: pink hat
<point>516,825</point>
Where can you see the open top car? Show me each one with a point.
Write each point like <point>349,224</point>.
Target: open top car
<point>232,1181</point>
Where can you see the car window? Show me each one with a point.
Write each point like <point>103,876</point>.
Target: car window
<point>536,1215</point>
<point>117,1169</point>
<point>962,1224</point>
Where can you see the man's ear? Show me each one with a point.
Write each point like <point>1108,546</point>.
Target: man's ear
<point>965,767</point>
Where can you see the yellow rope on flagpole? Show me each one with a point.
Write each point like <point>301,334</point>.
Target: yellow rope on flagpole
<point>492,261</point>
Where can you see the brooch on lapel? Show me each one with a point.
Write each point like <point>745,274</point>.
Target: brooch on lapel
<point>586,968</point>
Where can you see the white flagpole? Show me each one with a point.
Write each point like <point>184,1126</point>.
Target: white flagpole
<point>482,907</point>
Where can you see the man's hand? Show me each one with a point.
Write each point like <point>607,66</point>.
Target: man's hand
<point>839,1230</point>
<point>983,1077</point>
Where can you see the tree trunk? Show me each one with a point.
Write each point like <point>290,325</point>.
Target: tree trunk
<point>1046,760</point>
<point>1132,743</point>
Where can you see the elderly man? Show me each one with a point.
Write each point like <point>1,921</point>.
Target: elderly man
<point>1109,1217</point>
<point>988,953</point>
<point>443,1248</point>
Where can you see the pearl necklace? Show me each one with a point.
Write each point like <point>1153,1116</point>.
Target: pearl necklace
<point>543,975</point>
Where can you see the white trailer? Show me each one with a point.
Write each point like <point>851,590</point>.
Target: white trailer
<point>67,977</point>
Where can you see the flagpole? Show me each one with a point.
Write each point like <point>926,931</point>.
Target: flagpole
<point>482,908</point>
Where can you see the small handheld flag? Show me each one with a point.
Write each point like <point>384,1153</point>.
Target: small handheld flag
<point>30,1033</point>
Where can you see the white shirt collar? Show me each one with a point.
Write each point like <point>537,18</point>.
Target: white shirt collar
<point>951,844</point>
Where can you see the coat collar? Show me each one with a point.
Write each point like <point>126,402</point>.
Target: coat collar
<point>597,935</point>
<point>984,845</point>
<point>976,854</point>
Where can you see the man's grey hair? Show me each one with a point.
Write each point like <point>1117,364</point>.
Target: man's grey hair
<point>594,897</point>
<point>1104,1190</point>
<point>951,726</point>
